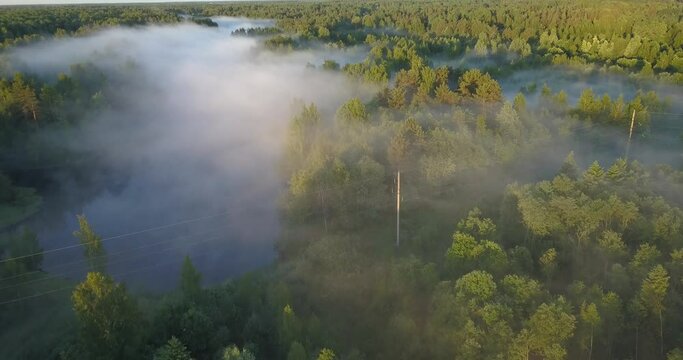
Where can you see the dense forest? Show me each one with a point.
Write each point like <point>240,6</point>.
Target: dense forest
<point>539,220</point>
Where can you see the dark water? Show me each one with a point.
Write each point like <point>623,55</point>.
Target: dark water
<point>156,214</point>
<point>186,161</point>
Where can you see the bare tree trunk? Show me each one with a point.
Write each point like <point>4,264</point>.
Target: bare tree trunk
<point>590,352</point>
<point>324,209</point>
<point>637,342</point>
<point>609,345</point>
<point>661,334</point>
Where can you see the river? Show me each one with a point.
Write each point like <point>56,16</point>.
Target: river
<point>187,154</point>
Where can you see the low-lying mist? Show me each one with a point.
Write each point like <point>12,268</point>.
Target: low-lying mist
<point>188,148</point>
<point>194,131</point>
<point>573,81</point>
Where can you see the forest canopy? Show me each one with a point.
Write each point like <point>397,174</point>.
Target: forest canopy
<point>490,180</point>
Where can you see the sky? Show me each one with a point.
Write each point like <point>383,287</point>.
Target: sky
<point>43,2</point>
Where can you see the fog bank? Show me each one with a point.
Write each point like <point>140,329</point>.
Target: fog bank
<point>194,132</point>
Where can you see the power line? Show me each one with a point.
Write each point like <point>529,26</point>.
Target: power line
<point>35,295</point>
<point>181,222</point>
<point>665,113</point>
<point>120,261</point>
<point>166,226</point>
<point>114,254</point>
<point>28,297</point>
<point>186,221</point>
<point>228,198</point>
<point>171,248</point>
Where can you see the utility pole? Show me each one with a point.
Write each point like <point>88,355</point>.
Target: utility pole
<point>630,133</point>
<point>322,203</point>
<point>398,208</point>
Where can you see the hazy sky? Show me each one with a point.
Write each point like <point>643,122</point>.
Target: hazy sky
<point>33,2</point>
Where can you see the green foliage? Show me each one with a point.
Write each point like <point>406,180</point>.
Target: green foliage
<point>476,286</point>
<point>546,333</point>
<point>475,225</point>
<point>326,354</point>
<point>590,317</point>
<point>296,352</point>
<point>234,353</point>
<point>676,354</point>
<point>281,43</point>
<point>522,292</point>
<point>577,209</point>
<point>190,279</point>
<point>256,31</point>
<point>466,254</point>
<point>482,86</point>
<point>654,289</point>
<point>289,329</point>
<point>652,295</point>
<point>108,317</point>
<point>618,112</point>
<point>352,113</point>
<point>330,65</point>
<point>204,21</point>
<point>548,262</point>
<point>612,245</point>
<point>519,103</point>
<point>93,249</point>
<point>16,203</point>
<point>173,350</point>
<point>21,253</point>
<point>569,167</point>
<point>303,133</point>
<point>575,37</point>
<point>520,46</point>
<point>499,290</point>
